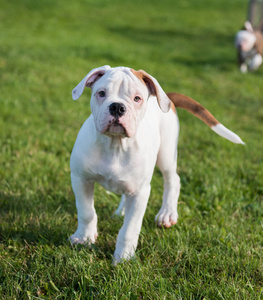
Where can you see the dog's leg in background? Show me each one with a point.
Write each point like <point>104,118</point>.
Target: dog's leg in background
<point>87,217</point>
<point>241,62</point>
<point>243,68</point>
<point>127,239</point>
<point>120,211</point>
<point>255,62</point>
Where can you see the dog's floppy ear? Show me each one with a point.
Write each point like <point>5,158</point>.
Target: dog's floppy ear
<point>154,89</point>
<point>248,27</point>
<point>88,80</point>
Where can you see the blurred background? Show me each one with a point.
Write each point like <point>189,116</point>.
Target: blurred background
<point>46,48</point>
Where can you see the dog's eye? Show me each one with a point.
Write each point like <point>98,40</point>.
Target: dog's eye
<point>137,99</point>
<point>102,94</point>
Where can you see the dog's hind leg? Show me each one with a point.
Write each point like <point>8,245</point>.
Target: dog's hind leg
<point>167,163</point>
<point>167,215</point>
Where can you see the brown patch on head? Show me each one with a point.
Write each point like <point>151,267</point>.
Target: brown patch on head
<point>154,89</point>
<point>138,74</point>
<point>144,77</point>
<point>173,107</point>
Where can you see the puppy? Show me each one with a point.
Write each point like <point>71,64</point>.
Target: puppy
<point>249,44</point>
<point>131,129</point>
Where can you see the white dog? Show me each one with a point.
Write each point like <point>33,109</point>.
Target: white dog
<point>131,129</point>
<point>249,44</point>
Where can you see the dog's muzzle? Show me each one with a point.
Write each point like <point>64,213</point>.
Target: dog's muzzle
<point>116,110</point>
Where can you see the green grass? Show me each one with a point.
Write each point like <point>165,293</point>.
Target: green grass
<point>215,250</point>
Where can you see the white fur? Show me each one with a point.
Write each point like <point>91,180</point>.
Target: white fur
<point>245,40</point>
<point>243,68</point>
<point>227,134</point>
<point>248,26</point>
<point>122,157</point>
<point>255,62</point>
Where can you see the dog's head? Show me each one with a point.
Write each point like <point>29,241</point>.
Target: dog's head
<point>245,39</point>
<point>119,98</point>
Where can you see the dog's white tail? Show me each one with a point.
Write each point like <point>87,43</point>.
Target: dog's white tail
<point>203,114</point>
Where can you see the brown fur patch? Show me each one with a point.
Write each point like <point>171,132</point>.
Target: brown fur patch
<point>146,79</point>
<point>259,42</point>
<point>138,74</point>
<point>173,107</point>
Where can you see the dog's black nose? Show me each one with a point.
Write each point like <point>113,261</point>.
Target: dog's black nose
<point>117,109</point>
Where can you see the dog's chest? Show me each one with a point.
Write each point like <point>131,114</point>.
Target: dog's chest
<point>121,172</point>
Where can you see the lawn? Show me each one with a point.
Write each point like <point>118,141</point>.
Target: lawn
<point>215,251</point>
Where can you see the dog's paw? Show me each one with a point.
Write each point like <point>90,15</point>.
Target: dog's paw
<point>166,217</point>
<point>243,68</point>
<point>124,253</point>
<point>118,260</point>
<point>78,238</point>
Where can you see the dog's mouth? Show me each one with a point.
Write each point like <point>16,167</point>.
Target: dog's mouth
<point>116,129</point>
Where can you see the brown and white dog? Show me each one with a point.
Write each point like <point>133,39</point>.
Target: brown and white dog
<point>249,44</point>
<point>131,129</point>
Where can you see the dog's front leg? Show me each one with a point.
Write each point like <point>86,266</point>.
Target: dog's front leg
<point>87,217</point>
<point>129,233</point>
<point>255,62</point>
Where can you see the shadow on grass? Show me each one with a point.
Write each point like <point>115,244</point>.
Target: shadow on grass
<point>34,221</point>
<point>44,221</point>
<point>203,42</point>
<point>147,35</point>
